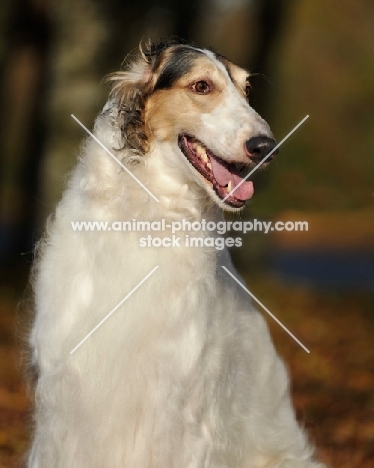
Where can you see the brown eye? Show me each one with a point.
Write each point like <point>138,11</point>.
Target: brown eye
<point>201,87</point>
<point>248,89</point>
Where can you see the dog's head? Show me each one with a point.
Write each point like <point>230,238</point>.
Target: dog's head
<point>197,102</point>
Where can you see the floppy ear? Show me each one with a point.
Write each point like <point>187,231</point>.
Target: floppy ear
<point>132,87</point>
<point>130,90</point>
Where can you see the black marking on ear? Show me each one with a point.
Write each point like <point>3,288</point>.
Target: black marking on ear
<point>220,57</point>
<point>152,49</point>
<point>178,64</point>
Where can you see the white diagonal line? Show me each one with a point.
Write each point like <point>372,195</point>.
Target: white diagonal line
<point>116,159</point>
<point>113,310</point>
<point>265,308</point>
<point>265,158</point>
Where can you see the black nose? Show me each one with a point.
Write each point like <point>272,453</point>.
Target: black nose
<point>259,147</point>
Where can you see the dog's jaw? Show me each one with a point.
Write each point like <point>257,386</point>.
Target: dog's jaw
<point>217,174</point>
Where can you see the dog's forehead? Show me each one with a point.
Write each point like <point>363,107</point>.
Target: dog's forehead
<point>237,75</point>
<point>180,61</point>
<point>175,62</point>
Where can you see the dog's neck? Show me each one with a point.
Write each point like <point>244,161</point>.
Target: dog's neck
<point>162,170</point>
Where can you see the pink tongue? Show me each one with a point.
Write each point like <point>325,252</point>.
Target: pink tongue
<point>223,176</point>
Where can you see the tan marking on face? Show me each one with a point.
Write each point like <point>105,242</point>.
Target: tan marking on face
<point>238,74</point>
<point>169,112</point>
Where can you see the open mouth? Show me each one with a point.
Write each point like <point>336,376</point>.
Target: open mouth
<point>223,176</point>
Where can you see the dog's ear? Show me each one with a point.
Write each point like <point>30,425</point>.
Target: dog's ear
<point>129,91</point>
<point>131,88</point>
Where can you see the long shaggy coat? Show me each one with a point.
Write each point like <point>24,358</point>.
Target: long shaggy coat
<point>183,374</point>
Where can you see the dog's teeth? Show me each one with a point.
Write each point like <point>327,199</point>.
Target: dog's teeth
<point>201,152</point>
<point>204,156</point>
<point>199,149</point>
<point>209,166</point>
<point>229,187</point>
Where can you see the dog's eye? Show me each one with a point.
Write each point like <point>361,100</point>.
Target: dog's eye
<point>248,88</point>
<point>201,87</point>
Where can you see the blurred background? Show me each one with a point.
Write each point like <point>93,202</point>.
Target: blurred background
<point>311,57</point>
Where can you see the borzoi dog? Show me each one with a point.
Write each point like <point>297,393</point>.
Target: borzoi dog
<point>183,374</point>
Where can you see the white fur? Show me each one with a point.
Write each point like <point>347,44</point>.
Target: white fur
<point>183,374</point>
